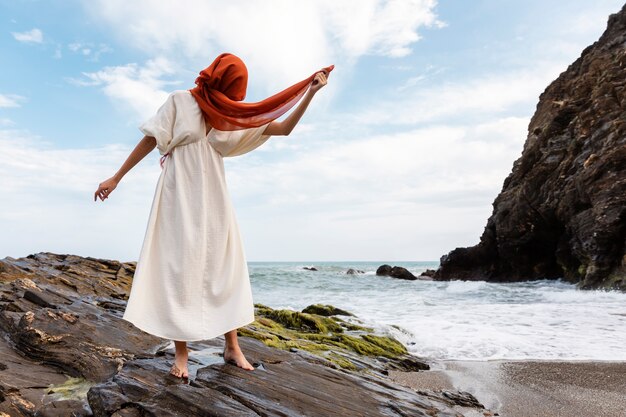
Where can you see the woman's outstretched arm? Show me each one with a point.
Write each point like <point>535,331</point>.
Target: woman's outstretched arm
<point>143,148</point>
<point>286,126</point>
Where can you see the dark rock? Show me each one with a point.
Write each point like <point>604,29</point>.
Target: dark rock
<point>429,273</point>
<point>282,384</point>
<point>562,210</point>
<point>38,299</point>
<point>56,339</point>
<point>354,271</point>
<point>461,399</point>
<point>395,272</point>
<point>384,270</point>
<point>409,364</point>
<point>309,268</point>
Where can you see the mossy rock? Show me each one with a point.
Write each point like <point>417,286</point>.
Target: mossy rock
<point>301,321</point>
<point>320,335</point>
<point>351,327</point>
<point>389,344</point>
<point>341,361</point>
<point>371,345</point>
<point>326,310</point>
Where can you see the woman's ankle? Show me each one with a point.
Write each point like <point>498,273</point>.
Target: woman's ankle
<point>180,348</point>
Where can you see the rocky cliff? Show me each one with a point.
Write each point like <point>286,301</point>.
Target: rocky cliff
<point>562,210</point>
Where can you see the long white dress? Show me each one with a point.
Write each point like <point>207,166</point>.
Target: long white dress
<point>191,281</point>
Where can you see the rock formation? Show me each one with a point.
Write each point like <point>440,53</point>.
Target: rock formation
<point>65,351</point>
<point>395,272</point>
<point>562,211</point>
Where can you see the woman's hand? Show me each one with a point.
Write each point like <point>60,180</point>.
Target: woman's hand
<point>319,81</point>
<point>285,127</point>
<point>105,188</point>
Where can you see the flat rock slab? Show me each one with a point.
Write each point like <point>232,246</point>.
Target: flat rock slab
<point>282,384</point>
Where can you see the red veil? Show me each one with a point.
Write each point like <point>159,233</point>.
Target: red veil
<point>221,87</point>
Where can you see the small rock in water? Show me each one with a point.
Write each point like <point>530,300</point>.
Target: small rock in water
<point>395,272</point>
<point>429,273</point>
<point>310,268</point>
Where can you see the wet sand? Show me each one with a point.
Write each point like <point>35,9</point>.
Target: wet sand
<point>531,388</point>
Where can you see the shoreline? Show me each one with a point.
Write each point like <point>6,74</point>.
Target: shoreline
<point>522,388</point>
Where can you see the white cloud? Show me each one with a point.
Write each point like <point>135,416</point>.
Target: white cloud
<point>138,88</point>
<point>417,191</point>
<point>32,36</point>
<point>48,205</point>
<point>311,34</point>
<point>281,41</point>
<point>353,195</point>
<point>10,100</point>
<point>427,164</point>
<point>385,28</point>
<point>58,53</point>
<point>485,95</point>
<point>89,49</point>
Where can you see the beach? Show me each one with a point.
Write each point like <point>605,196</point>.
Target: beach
<point>531,388</point>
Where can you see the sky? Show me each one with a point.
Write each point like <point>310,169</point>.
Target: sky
<point>398,158</point>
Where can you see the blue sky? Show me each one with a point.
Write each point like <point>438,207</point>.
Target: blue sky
<point>398,158</point>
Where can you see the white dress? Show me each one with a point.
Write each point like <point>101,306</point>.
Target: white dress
<point>191,281</point>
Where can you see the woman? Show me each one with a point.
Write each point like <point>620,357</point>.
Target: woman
<point>191,281</point>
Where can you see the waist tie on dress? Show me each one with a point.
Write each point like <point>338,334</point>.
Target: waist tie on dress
<point>163,158</point>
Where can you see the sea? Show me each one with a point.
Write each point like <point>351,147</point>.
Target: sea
<point>456,320</point>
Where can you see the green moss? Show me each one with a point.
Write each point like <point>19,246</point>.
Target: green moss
<point>71,389</point>
<point>372,345</point>
<point>350,326</point>
<point>389,344</point>
<point>341,361</point>
<point>301,321</point>
<point>287,329</point>
<point>244,331</point>
<point>264,321</point>
<point>325,310</point>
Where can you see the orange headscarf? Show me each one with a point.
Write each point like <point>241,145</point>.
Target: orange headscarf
<point>221,87</point>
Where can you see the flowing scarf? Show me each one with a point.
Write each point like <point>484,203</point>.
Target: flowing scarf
<point>221,87</point>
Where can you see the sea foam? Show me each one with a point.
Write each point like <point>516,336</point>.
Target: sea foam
<point>458,320</point>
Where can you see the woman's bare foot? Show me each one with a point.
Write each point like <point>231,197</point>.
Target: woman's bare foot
<point>232,352</point>
<point>179,369</point>
<point>235,356</point>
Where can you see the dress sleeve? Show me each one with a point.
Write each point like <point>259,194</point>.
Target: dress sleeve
<point>161,125</point>
<point>238,142</point>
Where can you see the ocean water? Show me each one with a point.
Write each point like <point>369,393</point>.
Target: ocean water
<point>457,320</point>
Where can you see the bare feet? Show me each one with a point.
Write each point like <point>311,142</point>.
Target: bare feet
<point>179,368</point>
<point>234,355</point>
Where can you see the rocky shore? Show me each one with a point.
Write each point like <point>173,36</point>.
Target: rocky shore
<point>65,351</point>
<point>562,210</point>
